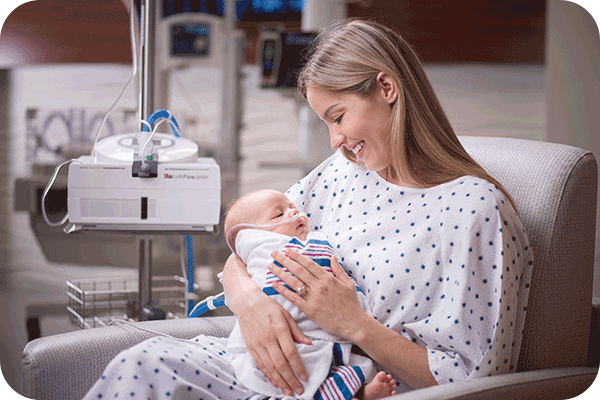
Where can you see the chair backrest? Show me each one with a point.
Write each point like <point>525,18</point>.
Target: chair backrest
<point>555,189</point>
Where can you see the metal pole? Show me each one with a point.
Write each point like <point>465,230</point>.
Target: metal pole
<point>231,107</point>
<point>148,48</point>
<point>145,276</point>
<point>147,73</point>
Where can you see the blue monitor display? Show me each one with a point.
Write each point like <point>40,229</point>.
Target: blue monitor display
<point>246,10</point>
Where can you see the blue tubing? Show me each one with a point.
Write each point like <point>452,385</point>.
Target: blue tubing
<point>190,271</point>
<point>156,115</point>
<point>206,306</point>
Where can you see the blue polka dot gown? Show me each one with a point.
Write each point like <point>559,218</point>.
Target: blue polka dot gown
<point>447,267</point>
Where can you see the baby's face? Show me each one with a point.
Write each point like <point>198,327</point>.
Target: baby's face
<point>272,207</point>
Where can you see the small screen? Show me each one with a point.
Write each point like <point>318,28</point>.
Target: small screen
<point>269,49</point>
<point>190,40</point>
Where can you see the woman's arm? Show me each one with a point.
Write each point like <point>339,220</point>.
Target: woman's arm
<point>268,329</point>
<point>331,301</point>
<point>399,355</point>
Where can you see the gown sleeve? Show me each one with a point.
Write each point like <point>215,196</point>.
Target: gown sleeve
<point>476,324</point>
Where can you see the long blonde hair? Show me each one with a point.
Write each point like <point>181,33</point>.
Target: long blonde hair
<point>347,58</point>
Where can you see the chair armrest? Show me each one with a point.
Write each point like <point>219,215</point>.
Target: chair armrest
<point>547,384</point>
<point>65,366</point>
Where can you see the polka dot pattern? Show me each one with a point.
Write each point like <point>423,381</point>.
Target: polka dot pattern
<point>447,267</point>
<point>164,368</point>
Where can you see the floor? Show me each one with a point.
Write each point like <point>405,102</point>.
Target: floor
<point>36,261</point>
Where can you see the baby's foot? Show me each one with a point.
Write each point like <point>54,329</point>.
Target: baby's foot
<point>381,386</point>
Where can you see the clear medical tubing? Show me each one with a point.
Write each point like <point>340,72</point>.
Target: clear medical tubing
<point>254,226</point>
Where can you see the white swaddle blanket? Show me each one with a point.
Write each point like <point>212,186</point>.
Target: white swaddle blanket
<point>254,247</point>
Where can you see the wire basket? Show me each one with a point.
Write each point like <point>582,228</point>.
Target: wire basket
<point>95,303</point>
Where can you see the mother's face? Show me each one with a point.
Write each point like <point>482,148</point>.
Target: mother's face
<point>360,124</point>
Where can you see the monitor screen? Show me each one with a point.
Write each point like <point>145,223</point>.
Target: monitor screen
<point>246,10</point>
<point>190,40</point>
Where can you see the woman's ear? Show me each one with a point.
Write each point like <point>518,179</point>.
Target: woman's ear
<point>388,87</point>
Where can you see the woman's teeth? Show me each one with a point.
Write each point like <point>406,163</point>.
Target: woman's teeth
<point>357,148</point>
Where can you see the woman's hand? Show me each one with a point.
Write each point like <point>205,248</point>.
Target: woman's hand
<point>268,330</point>
<point>330,300</point>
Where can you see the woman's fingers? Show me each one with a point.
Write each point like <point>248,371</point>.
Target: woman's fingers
<point>265,364</point>
<point>282,371</point>
<point>303,267</point>
<point>339,272</point>
<point>278,361</point>
<point>298,336</point>
<point>269,337</point>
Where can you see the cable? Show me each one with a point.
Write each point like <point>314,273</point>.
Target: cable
<point>136,326</point>
<point>255,226</point>
<point>131,75</point>
<point>210,303</point>
<point>144,147</point>
<point>47,189</point>
<point>190,273</point>
<point>167,115</point>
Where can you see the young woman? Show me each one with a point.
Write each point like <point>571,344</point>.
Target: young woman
<point>433,240</point>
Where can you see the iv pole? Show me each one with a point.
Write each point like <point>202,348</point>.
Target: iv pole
<point>153,91</point>
<point>149,16</point>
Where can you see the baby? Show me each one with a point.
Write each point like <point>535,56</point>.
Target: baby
<point>257,224</point>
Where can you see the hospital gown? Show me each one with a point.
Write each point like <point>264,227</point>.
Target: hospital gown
<point>447,267</point>
<point>254,247</point>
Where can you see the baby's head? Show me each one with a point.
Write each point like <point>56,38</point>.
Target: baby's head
<point>266,207</point>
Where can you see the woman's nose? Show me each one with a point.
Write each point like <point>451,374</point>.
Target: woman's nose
<point>337,139</point>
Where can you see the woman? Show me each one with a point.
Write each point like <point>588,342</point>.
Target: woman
<point>369,87</point>
<point>433,241</point>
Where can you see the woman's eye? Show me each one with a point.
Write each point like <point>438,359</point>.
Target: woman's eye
<point>338,119</point>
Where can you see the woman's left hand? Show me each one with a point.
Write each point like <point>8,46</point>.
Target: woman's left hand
<point>330,300</point>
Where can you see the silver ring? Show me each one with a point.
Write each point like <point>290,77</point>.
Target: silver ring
<point>301,291</point>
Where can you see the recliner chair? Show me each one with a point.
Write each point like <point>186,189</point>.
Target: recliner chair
<point>555,189</point>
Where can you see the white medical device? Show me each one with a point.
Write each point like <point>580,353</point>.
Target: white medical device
<point>172,190</point>
<point>190,39</point>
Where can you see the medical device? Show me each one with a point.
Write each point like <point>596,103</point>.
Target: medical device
<point>128,187</point>
<point>281,57</point>
<point>144,183</point>
<point>190,39</point>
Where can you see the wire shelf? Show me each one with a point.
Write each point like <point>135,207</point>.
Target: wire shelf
<point>94,303</point>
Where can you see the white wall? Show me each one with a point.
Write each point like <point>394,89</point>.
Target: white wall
<point>572,85</point>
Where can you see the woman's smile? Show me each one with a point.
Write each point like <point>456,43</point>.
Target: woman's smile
<point>357,149</point>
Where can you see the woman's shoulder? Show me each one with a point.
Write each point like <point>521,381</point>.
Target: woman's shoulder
<point>475,197</point>
<point>473,189</point>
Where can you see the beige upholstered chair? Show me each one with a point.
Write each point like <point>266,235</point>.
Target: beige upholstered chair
<point>555,189</point>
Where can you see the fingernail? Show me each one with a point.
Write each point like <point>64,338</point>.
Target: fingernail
<point>288,392</point>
